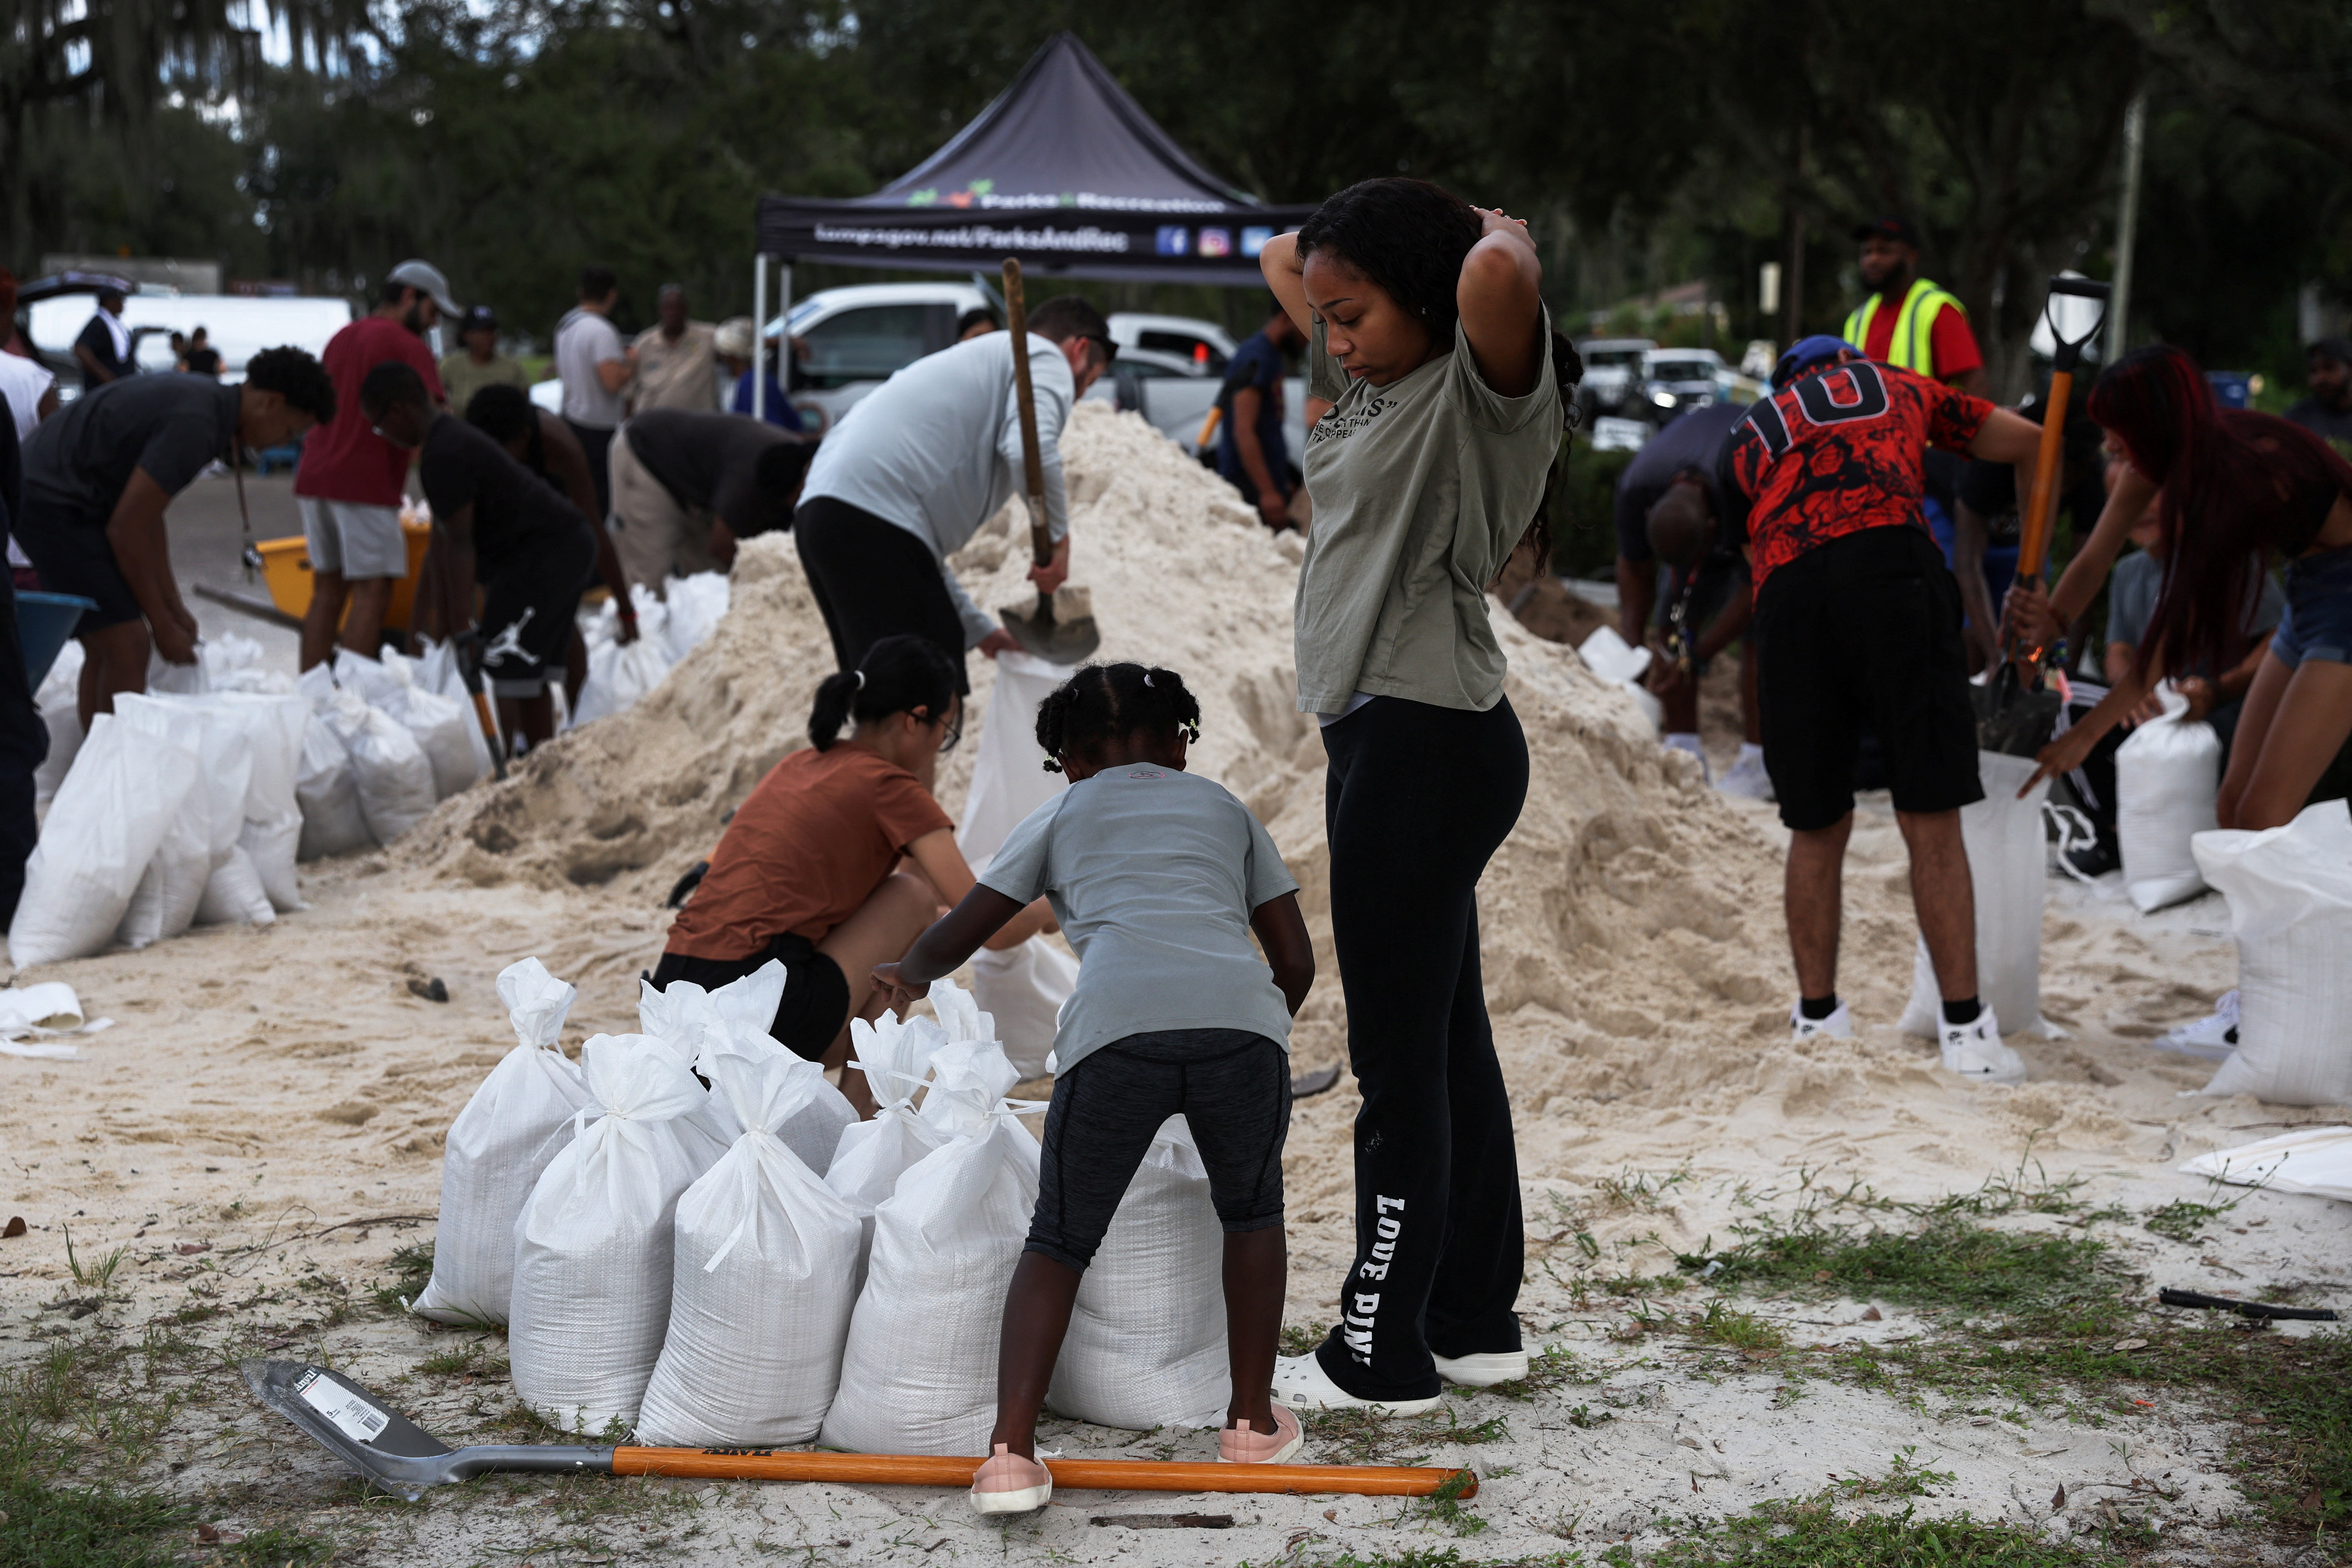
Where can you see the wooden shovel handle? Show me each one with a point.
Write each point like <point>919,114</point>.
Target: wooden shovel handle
<point>1076,1475</point>
<point>2034,544</point>
<point>1033,460</point>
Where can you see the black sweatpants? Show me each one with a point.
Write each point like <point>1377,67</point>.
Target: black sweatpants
<point>24,747</point>
<point>1417,799</point>
<point>873,579</point>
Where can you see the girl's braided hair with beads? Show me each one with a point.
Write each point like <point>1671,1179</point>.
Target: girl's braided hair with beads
<point>1104,703</point>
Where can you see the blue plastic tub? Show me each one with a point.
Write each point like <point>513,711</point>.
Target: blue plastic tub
<point>44,621</point>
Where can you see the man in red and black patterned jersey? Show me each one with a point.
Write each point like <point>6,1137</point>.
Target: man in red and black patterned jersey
<point>1858,626</point>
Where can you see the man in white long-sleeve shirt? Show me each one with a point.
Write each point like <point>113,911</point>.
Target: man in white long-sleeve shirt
<point>912,471</point>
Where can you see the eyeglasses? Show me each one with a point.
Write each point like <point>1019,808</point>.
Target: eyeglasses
<point>952,730</point>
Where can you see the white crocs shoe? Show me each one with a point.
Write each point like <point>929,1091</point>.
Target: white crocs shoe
<point>2215,1038</point>
<point>1484,1370</point>
<point>1975,1050</point>
<point>1746,776</point>
<point>1838,1026</point>
<point>1300,1381</point>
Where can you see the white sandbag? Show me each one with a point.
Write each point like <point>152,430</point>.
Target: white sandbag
<point>1024,989</point>
<point>2317,1160</point>
<point>59,700</point>
<point>165,679</point>
<point>436,670</point>
<point>696,604</point>
<point>869,1157</point>
<point>233,894</point>
<point>2008,862</point>
<point>234,663</point>
<point>919,1374</point>
<point>1623,666</point>
<point>272,832</point>
<point>1147,1341</point>
<point>201,831</point>
<point>2167,775</point>
<point>763,1282</point>
<point>498,1147</point>
<point>2290,893</point>
<point>123,793</point>
<point>395,782</point>
<point>445,731</point>
<point>746,1008</point>
<point>1009,779</point>
<point>619,674</point>
<point>328,794</point>
<point>592,1246</point>
<point>379,682</point>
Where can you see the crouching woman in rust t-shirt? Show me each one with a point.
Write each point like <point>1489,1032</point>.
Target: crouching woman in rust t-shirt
<point>840,857</point>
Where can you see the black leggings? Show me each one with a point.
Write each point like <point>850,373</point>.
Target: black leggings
<point>1233,1089</point>
<point>873,579</point>
<point>1417,798</point>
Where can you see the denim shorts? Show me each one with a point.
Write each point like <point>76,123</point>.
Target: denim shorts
<point>2318,620</point>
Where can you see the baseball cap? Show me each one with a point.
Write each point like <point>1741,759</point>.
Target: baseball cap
<point>480,318</point>
<point>1805,354</point>
<point>1894,228</point>
<point>427,278</point>
<point>2337,349</point>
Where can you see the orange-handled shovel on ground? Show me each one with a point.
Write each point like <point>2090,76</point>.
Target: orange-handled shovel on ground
<point>1060,627</point>
<point>2014,712</point>
<point>385,1446</point>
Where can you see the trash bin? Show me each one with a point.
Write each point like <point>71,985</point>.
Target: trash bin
<point>44,621</point>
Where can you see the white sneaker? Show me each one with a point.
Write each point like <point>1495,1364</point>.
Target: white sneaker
<point>1746,776</point>
<point>2214,1038</point>
<point>1484,1370</point>
<point>1975,1051</point>
<point>1300,1381</point>
<point>1838,1026</point>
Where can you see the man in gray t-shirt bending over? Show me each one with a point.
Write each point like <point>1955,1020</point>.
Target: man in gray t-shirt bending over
<point>912,470</point>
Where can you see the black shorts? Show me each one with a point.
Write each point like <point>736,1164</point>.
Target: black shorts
<point>1864,633</point>
<point>873,579</point>
<point>73,555</point>
<point>528,607</point>
<point>1231,1087</point>
<point>815,1005</point>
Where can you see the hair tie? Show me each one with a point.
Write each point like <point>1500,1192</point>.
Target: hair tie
<point>1147,678</point>
<point>861,678</point>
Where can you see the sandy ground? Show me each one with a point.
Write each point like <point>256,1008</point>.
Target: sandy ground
<point>261,1130</point>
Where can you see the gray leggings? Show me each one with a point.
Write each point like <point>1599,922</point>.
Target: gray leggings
<point>1233,1088</point>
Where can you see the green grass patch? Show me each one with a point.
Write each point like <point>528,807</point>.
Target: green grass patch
<point>1810,1533</point>
<point>2182,1220</point>
<point>1944,1262</point>
<point>1303,1339</point>
<point>411,1269</point>
<point>1376,1437</point>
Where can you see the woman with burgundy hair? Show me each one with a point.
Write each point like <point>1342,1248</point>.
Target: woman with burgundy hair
<point>2237,488</point>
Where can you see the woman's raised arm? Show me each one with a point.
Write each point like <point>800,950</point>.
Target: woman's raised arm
<point>1279,262</point>
<point>1501,305</point>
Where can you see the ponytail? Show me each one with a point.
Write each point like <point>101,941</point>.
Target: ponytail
<point>898,675</point>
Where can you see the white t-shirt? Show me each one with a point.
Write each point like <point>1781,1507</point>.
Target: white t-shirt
<point>23,383</point>
<point>936,450</point>
<point>585,339</point>
<point>1153,874</point>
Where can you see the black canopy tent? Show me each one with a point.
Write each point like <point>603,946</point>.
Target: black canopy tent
<point>1064,171</point>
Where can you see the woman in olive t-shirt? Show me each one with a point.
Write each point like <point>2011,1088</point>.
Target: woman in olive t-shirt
<point>1425,475</point>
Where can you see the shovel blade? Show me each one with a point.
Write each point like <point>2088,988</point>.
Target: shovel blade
<point>1060,631</point>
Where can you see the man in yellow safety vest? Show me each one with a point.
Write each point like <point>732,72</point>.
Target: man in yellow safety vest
<point>1909,322</point>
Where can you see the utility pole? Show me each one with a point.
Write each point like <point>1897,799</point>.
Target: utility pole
<point>2127,229</point>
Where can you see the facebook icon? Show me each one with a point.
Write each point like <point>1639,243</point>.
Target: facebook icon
<point>1174,240</point>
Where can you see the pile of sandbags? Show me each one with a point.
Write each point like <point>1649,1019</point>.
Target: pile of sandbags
<point>388,739</point>
<point>176,810</point>
<point>669,627</point>
<point>745,1264</point>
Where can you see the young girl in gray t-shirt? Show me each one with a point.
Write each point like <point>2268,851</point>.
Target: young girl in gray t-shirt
<point>1159,878</point>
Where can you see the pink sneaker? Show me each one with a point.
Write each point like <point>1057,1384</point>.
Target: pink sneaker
<point>1007,1483</point>
<point>1237,1445</point>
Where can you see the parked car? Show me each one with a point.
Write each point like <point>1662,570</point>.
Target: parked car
<point>858,337</point>
<point>1676,381</point>
<point>1207,346</point>
<point>239,326</point>
<point>1611,366</point>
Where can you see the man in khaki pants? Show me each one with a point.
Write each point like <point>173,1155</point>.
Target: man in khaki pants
<point>687,485</point>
